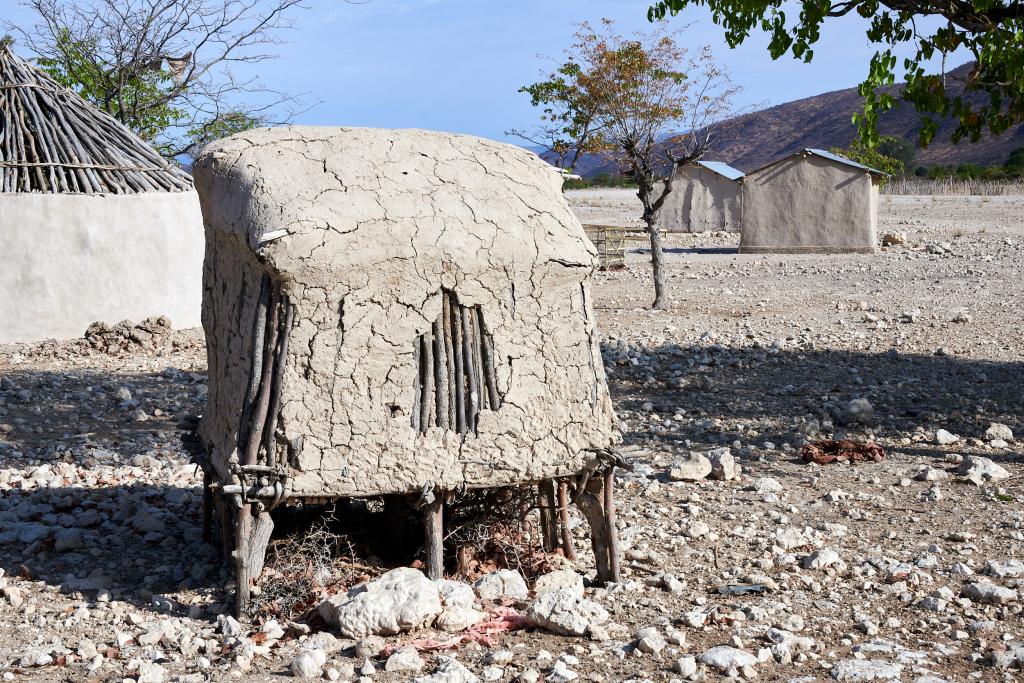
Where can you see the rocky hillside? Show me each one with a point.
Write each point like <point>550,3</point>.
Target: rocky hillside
<point>824,121</point>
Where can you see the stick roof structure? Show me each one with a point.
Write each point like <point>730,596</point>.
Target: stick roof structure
<point>53,141</point>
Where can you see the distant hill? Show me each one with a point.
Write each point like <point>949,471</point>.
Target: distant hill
<point>824,121</point>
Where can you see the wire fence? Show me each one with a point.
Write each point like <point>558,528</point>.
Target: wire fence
<point>953,186</point>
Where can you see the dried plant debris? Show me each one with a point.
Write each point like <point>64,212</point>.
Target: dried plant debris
<point>829,450</point>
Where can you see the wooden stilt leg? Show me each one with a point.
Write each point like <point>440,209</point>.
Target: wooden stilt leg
<point>254,529</point>
<point>612,533</point>
<point>207,507</point>
<point>563,521</point>
<point>433,536</point>
<point>243,529</point>
<point>227,539</point>
<point>548,515</point>
<point>591,502</point>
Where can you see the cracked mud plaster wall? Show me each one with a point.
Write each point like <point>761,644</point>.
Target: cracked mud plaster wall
<point>363,228</point>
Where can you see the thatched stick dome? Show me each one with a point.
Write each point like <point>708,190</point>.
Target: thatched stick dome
<point>53,141</point>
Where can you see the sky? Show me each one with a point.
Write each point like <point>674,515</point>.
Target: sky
<point>456,65</point>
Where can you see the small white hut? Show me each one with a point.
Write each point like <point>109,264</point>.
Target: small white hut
<point>705,197</point>
<point>810,202</point>
<point>94,223</point>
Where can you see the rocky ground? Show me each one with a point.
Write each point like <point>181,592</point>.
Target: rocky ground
<point>740,559</point>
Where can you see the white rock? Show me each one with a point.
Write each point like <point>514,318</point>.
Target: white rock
<point>457,618</point>
<point>504,583</point>
<point>455,593</point>
<point>697,529</point>
<point>151,672</point>
<point>989,593</point>
<point>821,559</point>
<point>404,659</point>
<point>865,670</point>
<point>228,626</point>
<point>35,656</point>
<point>529,676</point>
<point>649,640</point>
<point>400,600</point>
<point>859,411</point>
<point>944,438</point>
<point>565,613</point>
<point>692,467</point>
<point>766,485</point>
<point>981,470</point>
<point>685,666</point>
<point>1007,569</point>
<point>449,670</point>
<point>558,580</point>
<point>273,630</point>
<point>369,647</point>
<point>723,465</point>
<point>724,658</point>
<point>561,673</point>
<point>998,432</point>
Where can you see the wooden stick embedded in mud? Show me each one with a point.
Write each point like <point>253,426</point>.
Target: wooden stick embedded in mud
<point>440,375</point>
<point>472,385</point>
<point>460,382</point>
<point>263,401</point>
<point>417,394</point>
<point>563,520</point>
<point>278,380</point>
<point>427,388</point>
<point>487,355</point>
<point>433,536</point>
<point>446,323</point>
<point>256,371</point>
<point>478,357</point>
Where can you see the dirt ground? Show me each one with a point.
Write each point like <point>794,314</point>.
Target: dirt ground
<point>902,569</point>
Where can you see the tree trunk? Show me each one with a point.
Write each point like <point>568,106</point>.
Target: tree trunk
<point>658,266</point>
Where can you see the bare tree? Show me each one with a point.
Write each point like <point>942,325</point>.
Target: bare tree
<point>165,68</point>
<point>648,103</point>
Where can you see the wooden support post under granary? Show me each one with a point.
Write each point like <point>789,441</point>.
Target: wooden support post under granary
<point>389,313</point>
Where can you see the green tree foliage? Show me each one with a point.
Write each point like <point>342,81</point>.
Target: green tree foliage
<point>898,148</point>
<point>135,98</point>
<point>991,30</point>
<point>1015,162</point>
<point>872,157</point>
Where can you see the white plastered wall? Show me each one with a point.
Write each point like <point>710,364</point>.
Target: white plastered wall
<point>69,260</point>
<point>809,204</point>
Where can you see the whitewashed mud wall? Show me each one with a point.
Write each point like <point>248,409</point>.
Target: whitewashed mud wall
<point>69,260</point>
<point>366,233</point>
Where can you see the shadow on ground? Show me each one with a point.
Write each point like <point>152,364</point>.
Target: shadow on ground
<point>774,394</point>
<point>53,415</point>
<point>131,543</point>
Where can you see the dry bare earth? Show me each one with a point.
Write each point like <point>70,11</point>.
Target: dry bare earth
<point>99,509</point>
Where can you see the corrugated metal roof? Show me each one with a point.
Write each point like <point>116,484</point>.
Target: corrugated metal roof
<point>843,160</point>
<point>721,168</point>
